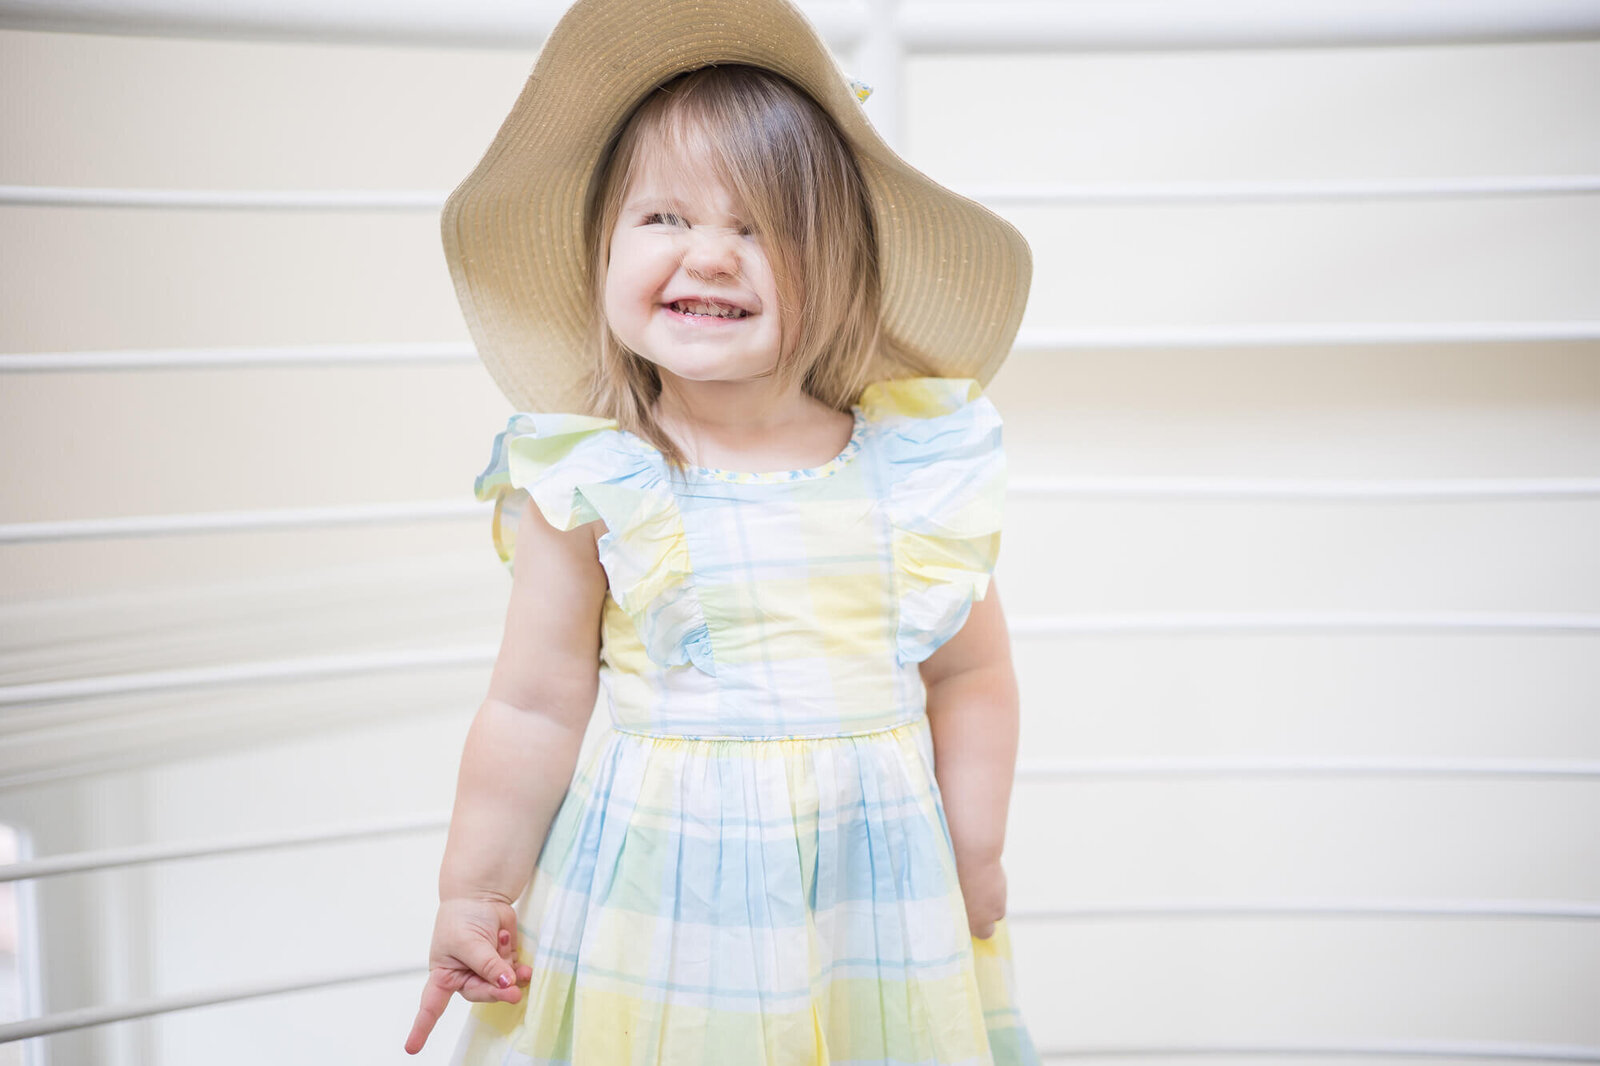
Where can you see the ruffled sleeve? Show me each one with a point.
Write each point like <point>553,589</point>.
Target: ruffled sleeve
<point>549,457</point>
<point>577,469</point>
<point>945,473</point>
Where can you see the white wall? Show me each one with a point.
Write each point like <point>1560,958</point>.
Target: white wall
<point>203,763</point>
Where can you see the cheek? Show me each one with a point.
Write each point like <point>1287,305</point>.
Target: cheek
<point>636,272</point>
<point>617,260</point>
<point>620,292</point>
<point>609,295</point>
<point>769,280</point>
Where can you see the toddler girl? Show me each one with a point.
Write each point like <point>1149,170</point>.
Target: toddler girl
<point>753,490</point>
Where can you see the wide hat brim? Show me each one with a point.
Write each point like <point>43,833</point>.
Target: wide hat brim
<point>955,275</point>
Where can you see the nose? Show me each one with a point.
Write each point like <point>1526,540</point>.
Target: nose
<point>712,254</point>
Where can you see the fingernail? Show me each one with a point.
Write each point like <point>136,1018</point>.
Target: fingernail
<point>505,979</point>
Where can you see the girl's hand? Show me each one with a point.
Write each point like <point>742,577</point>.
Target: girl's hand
<point>983,886</point>
<point>474,941</point>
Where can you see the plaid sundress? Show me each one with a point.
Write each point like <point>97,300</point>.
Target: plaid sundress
<point>754,866</point>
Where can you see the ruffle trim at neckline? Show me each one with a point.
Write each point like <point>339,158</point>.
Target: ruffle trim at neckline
<point>746,477</point>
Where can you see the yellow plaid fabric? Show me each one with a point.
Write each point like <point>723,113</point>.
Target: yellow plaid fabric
<point>755,866</point>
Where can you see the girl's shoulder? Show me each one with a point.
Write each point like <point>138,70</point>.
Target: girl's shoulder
<point>944,473</point>
<point>572,466</point>
<point>534,447</point>
<point>929,420</point>
<point>898,399</point>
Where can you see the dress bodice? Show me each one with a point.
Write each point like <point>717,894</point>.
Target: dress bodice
<point>787,604</point>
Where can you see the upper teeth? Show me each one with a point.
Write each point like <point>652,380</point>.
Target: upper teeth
<point>700,307</point>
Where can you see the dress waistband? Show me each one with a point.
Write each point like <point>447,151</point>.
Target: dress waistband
<point>778,736</point>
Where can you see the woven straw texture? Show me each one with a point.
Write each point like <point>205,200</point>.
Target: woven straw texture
<point>955,275</point>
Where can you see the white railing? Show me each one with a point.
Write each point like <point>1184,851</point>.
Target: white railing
<point>1273,334</point>
<point>66,1021</point>
<point>972,27</point>
<point>117,858</point>
<point>1056,194</point>
<point>1343,907</point>
<point>1328,622</point>
<point>88,1017</point>
<point>1168,768</point>
<point>1247,490</point>
<point>309,668</point>
<point>321,667</point>
<point>165,525</point>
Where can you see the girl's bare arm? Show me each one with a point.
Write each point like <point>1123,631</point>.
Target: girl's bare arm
<point>523,744</point>
<point>973,715</point>
<point>517,763</point>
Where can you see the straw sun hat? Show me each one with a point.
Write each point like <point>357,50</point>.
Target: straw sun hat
<point>955,275</point>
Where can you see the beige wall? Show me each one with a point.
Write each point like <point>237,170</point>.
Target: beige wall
<point>97,110</point>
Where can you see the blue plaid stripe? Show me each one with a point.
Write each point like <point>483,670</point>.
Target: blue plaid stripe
<point>754,865</point>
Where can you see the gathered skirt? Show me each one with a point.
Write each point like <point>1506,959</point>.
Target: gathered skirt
<point>771,902</point>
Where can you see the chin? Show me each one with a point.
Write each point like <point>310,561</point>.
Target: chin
<point>710,374</point>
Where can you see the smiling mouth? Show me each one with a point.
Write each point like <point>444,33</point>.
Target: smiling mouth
<point>703,310</point>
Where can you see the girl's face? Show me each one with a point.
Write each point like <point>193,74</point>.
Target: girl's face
<point>687,285</point>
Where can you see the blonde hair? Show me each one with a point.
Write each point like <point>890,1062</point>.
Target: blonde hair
<point>796,181</point>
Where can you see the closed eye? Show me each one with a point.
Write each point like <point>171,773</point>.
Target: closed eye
<point>668,218</point>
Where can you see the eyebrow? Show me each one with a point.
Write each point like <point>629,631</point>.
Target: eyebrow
<point>672,202</point>
<point>656,201</point>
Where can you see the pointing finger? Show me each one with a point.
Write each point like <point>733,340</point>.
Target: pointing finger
<point>434,998</point>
